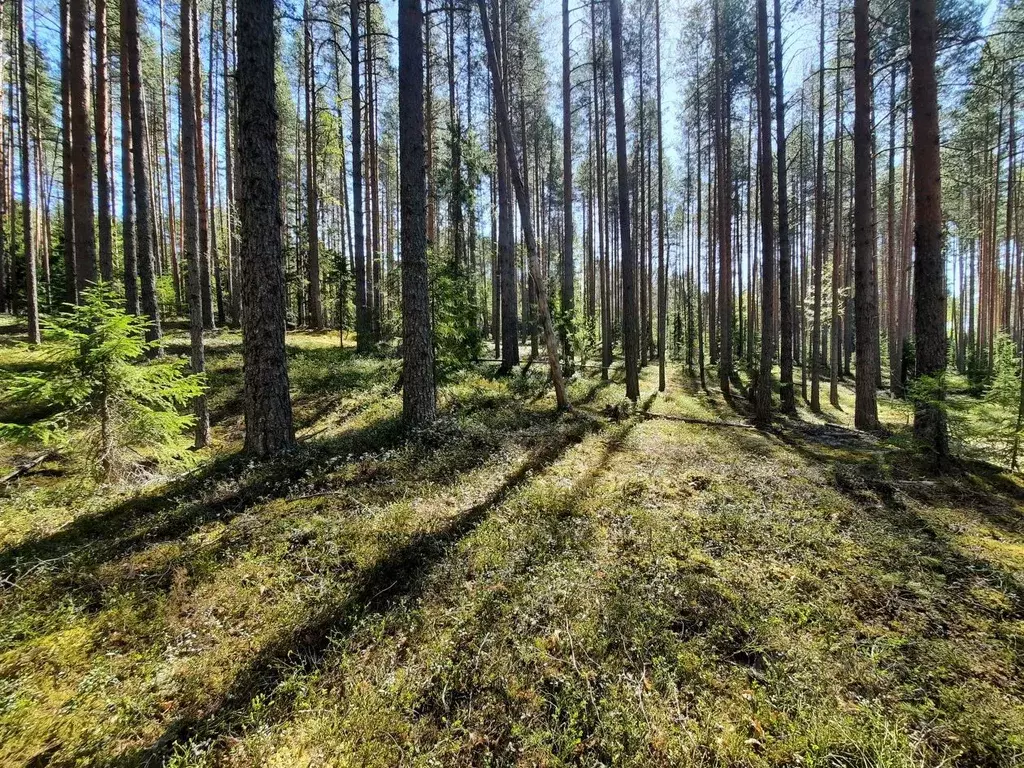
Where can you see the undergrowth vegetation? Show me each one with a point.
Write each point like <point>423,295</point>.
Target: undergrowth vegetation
<point>513,587</point>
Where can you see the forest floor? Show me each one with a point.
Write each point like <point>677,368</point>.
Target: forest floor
<point>513,587</point>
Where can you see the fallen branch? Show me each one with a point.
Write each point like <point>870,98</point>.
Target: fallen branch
<point>18,472</point>
<point>702,422</point>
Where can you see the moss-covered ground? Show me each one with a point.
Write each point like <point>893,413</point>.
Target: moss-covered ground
<point>513,587</point>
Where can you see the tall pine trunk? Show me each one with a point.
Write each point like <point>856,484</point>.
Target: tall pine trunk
<point>268,409</point>
<point>763,388</point>
<point>865,289</point>
<point>145,259</point>
<point>630,331</point>
<point>81,143</point>
<point>929,267</point>
<point>190,212</point>
<point>28,238</point>
<point>419,399</point>
<point>786,391</point>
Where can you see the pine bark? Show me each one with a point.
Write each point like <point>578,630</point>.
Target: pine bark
<point>28,238</point>
<point>786,391</point>
<point>419,398</point>
<point>128,222</point>
<point>929,267</point>
<point>568,268</point>
<point>81,143</point>
<point>106,245</point>
<point>190,211</point>
<point>630,331</point>
<point>364,339</point>
<point>763,388</point>
<point>145,258</point>
<point>865,289</point>
<point>268,409</point>
<point>315,304</point>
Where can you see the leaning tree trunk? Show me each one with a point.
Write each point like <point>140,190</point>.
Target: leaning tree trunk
<point>865,290</point>
<point>268,408</point>
<point>630,331</point>
<point>929,265</point>
<point>419,398</point>
<point>526,218</point>
<point>190,212</point>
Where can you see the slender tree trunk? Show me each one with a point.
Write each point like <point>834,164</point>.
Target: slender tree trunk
<point>28,238</point>
<point>568,267</point>
<point>363,334</point>
<point>106,246</point>
<point>723,207</point>
<point>662,266</point>
<point>818,256</point>
<point>835,330</point>
<point>929,268</point>
<point>67,158</point>
<point>865,291</point>
<point>140,173</point>
<point>786,391</point>
<point>172,224</point>
<point>523,198</point>
<point>128,220</point>
<point>189,202</point>
<point>630,332</point>
<point>315,312</point>
<point>763,388</point>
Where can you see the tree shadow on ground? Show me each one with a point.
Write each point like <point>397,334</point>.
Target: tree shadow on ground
<point>398,575</point>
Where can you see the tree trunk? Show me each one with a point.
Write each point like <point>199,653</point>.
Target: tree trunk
<point>106,246</point>
<point>630,332</point>
<point>363,334</point>
<point>81,144</point>
<point>140,173</point>
<point>419,399</point>
<point>662,267</point>
<point>568,268</point>
<point>929,267</point>
<point>189,205</point>
<point>523,198</point>
<point>128,221</point>
<point>31,295</point>
<point>763,388</point>
<point>315,308</point>
<point>268,408</point>
<point>786,391</point>
<point>818,257</point>
<point>865,290</point>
